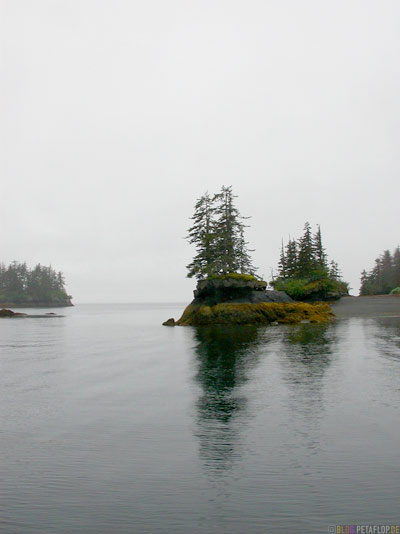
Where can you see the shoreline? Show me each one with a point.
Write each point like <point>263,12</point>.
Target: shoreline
<point>368,306</point>
<point>34,305</point>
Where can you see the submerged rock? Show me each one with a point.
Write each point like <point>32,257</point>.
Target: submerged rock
<point>9,313</point>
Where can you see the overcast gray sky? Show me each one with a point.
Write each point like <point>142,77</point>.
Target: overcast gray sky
<point>118,114</point>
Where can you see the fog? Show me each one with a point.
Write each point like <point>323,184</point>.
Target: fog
<point>117,115</point>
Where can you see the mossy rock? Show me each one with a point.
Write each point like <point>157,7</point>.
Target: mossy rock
<point>255,313</point>
<point>169,322</point>
<point>237,276</point>
<point>6,313</point>
<point>9,313</point>
<point>232,287</point>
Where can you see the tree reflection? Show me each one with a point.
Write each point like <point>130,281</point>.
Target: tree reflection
<point>307,352</point>
<point>225,354</point>
<point>386,336</point>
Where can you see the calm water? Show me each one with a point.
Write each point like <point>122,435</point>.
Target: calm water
<point>111,423</point>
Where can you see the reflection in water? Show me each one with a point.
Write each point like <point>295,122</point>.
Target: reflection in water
<point>307,350</point>
<point>225,354</point>
<point>386,336</point>
<point>306,356</point>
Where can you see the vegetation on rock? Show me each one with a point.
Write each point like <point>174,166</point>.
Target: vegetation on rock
<point>384,277</point>
<point>303,270</point>
<point>262,313</point>
<point>229,292</point>
<point>236,276</point>
<point>40,286</point>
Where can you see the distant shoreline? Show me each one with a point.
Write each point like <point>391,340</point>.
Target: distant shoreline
<point>38,304</point>
<point>369,306</point>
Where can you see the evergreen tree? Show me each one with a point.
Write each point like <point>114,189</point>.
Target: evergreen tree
<point>245,263</point>
<point>387,274</point>
<point>384,276</point>
<point>227,229</point>
<point>19,284</point>
<point>319,251</point>
<point>218,234</point>
<point>364,290</point>
<point>303,269</point>
<point>306,259</point>
<point>292,262</point>
<point>203,235</point>
<point>334,271</point>
<point>396,267</point>
<point>282,265</point>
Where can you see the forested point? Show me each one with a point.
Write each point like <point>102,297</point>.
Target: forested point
<point>384,277</point>
<point>305,273</point>
<point>41,286</point>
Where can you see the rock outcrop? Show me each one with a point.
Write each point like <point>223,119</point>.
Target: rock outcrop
<point>239,299</point>
<point>218,290</point>
<point>261,313</point>
<point>169,322</point>
<point>9,313</point>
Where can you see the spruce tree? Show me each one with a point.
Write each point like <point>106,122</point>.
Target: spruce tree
<point>303,269</point>
<point>202,234</point>
<point>244,260</point>
<point>319,251</point>
<point>218,234</point>
<point>292,267</point>
<point>387,272</point>
<point>306,258</point>
<point>334,271</point>
<point>227,226</point>
<point>282,265</point>
<point>396,267</point>
<point>364,288</point>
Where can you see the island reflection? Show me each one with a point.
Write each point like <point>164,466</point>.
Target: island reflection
<point>225,356</point>
<point>306,354</point>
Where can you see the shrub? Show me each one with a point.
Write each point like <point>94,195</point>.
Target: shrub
<point>306,289</point>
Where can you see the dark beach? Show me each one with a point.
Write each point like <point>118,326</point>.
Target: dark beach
<point>374,306</point>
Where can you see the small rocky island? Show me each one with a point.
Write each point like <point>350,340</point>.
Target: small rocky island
<point>243,300</point>
<point>229,292</point>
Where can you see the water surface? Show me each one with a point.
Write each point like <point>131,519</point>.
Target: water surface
<point>111,423</point>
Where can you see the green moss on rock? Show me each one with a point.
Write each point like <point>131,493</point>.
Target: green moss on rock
<point>255,313</point>
<point>236,276</point>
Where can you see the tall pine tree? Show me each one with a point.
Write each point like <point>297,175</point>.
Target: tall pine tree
<point>203,235</point>
<point>319,251</point>
<point>218,234</point>
<point>306,258</point>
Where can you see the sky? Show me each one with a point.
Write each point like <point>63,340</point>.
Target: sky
<point>116,115</point>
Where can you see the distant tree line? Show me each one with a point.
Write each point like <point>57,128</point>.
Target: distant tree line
<point>20,284</point>
<point>218,235</point>
<point>304,271</point>
<point>384,277</point>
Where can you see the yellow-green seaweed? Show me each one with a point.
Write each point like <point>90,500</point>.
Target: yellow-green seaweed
<point>255,313</point>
